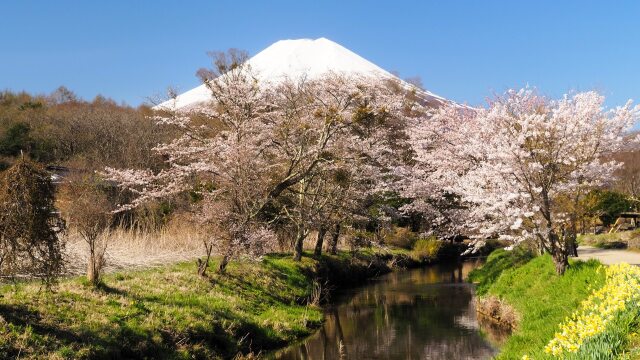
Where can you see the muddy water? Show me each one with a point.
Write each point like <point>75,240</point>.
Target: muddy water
<point>425,313</point>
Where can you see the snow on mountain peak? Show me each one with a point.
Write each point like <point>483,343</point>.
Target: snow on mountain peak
<point>294,59</point>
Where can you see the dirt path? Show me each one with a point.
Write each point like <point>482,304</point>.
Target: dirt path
<point>608,256</point>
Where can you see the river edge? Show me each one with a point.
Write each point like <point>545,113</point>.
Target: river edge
<point>391,298</point>
<point>345,271</point>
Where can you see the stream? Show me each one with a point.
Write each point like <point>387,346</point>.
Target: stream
<point>425,313</point>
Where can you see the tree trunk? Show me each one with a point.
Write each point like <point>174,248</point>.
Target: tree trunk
<point>204,264</point>
<point>572,247</point>
<point>92,274</point>
<point>559,251</point>
<point>560,260</point>
<point>94,265</point>
<point>223,264</point>
<point>334,240</point>
<point>321,233</point>
<point>297,255</point>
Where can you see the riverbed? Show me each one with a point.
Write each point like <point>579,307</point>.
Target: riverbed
<point>425,313</point>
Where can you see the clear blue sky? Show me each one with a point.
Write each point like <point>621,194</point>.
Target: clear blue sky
<point>463,50</point>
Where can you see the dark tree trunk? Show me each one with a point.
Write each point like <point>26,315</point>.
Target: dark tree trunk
<point>223,264</point>
<point>559,252</point>
<point>297,255</point>
<point>573,247</point>
<point>334,240</point>
<point>321,233</point>
<point>95,263</point>
<point>204,264</point>
<point>560,260</point>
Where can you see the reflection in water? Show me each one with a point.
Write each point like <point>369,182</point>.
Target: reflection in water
<point>496,334</point>
<point>419,314</point>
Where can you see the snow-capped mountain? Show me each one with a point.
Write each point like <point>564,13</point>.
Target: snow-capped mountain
<point>296,58</point>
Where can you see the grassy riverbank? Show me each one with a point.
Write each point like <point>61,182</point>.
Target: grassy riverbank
<point>172,313</point>
<point>591,312</point>
<point>541,298</point>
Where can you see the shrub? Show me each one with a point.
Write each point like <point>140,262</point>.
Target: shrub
<point>498,310</point>
<point>85,205</point>
<point>426,248</point>
<point>401,237</point>
<point>29,224</point>
<point>607,205</point>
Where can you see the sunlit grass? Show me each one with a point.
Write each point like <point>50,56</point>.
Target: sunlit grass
<point>542,298</point>
<point>168,312</point>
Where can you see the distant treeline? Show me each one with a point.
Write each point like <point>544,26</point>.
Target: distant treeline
<point>64,130</point>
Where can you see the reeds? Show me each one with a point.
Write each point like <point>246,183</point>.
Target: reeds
<point>135,248</point>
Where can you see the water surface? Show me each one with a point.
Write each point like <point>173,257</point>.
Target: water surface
<point>425,313</point>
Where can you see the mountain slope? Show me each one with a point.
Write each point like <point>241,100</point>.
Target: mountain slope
<point>294,59</point>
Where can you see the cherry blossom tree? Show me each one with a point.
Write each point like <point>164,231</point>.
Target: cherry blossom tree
<point>329,128</point>
<point>257,152</point>
<point>519,167</point>
<point>223,156</point>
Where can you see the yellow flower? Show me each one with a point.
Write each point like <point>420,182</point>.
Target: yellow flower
<point>621,287</point>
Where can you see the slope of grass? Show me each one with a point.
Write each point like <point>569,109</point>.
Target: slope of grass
<point>497,262</point>
<point>168,312</point>
<point>542,298</point>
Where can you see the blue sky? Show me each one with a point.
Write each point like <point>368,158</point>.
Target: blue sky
<point>463,50</point>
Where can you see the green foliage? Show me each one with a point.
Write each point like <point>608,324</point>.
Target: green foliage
<point>17,139</point>
<point>401,237</point>
<point>29,223</point>
<point>607,205</point>
<point>426,248</point>
<point>542,298</point>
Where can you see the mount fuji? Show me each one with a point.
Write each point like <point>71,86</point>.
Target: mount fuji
<point>294,59</point>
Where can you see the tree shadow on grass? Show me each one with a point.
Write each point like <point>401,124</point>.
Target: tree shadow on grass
<point>242,336</point>
<point>126,339</point>
<point>124,343</point>
<point>21,317</point>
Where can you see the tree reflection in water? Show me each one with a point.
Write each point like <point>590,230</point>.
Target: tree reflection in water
<point>419,314</point>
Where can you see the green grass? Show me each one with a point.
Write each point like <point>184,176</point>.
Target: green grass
<point>541,297</point>
<point>497,262</point>
<point>168,312</point>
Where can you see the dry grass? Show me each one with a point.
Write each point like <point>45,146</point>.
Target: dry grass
<point>622,239</point>
<point>128,248</point>
<point>498,310</point>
